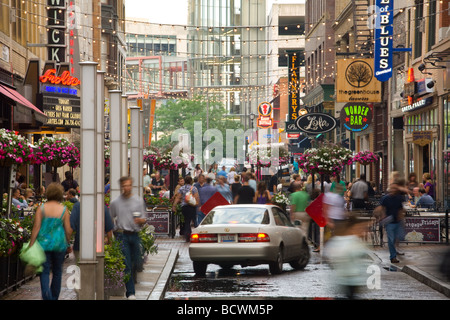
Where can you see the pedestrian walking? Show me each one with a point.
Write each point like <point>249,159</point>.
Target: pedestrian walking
<point>188,208</point>
<point>224,188</point>
<point>205,193</point>
<point>347,254</point>
<point>392,204</point>
<point>128,214</point>
<point>236,185</point>
<point>262,195</point>
<point>359,193</point>
<point>299,200</point>
<point>334,209</point>
<point>273,182</point>
<point>69,182</point>
<point>75,225</point>
<point>222,172</point>
<point>231,175</point>
<point>52,230</point>
<point>245,194</point>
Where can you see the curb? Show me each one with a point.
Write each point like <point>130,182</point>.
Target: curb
<point>161,284</point>
<point>416,273</point>
<point>427,279</point>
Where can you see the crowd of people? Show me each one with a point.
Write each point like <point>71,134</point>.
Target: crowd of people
<point>128,212</point>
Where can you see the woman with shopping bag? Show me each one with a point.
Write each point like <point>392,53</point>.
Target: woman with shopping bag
<point>52,231</point>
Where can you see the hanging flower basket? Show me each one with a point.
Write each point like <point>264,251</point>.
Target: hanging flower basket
<point>57,152</point>
<point>166,160</point>
<point>14,149</point>
<point>266,155</point>
<point>365,157</point>
<point>107,155</point>
<point>327,159</point>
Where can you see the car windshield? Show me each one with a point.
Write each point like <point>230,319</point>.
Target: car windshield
<point>237,215</point>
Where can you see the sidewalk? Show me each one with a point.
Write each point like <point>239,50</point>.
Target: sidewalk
<point>420,261</point>
<point>151,283</point>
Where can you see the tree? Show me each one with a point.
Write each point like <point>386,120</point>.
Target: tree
<point>185,113</point>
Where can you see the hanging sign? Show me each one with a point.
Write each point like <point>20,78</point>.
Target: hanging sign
<point>355,81</point>
<point>265,115</point>
<point>315,123</point>
<point>356,117</point>
<point>294,85</point>
<point>422,138</point>
<point>56,30</point>
<point>383,39</point>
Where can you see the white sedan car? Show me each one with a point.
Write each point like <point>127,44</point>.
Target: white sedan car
<point>248,235</point>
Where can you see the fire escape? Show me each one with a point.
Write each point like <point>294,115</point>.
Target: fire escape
<point>363,34</point>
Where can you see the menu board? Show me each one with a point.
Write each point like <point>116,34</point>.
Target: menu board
<point>422,229</point>
<point>160,220</point>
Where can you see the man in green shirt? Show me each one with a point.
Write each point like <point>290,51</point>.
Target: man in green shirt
<point>299,201</point>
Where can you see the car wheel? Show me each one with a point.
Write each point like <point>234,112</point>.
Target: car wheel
<point>304,258</point>
<point>276,267</point>
<point>200,268</point>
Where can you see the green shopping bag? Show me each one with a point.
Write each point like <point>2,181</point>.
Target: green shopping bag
<point>33,256</point>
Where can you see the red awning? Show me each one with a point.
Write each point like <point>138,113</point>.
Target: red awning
<point>16,96</point>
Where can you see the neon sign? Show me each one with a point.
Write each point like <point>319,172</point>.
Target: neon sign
<point>65,78</point>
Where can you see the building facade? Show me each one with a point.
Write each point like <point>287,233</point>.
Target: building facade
<point>227,59</point>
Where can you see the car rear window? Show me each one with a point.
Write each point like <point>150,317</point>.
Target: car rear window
<point>232,215</point>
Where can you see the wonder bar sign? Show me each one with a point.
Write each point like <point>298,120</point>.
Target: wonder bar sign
<point>383,39</point>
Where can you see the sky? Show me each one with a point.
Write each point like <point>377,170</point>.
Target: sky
<point>170,11</point>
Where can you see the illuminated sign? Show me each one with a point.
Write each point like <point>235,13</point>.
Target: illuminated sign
<point>265,115</point>
<point>56,26</point>
<point>294,85</point>
<point>356,117</point>
<point>62,111</point>
<point>65,79</point>
<point>383,39</point>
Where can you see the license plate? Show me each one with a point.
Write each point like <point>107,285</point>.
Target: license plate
<point>227,238</point>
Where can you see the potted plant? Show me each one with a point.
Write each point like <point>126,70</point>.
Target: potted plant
<point>280,200</point>
<point>148,240</point>
<point>115,276</point>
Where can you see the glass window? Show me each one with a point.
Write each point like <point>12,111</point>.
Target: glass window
<point>280,218</point>
<point>237,215</point>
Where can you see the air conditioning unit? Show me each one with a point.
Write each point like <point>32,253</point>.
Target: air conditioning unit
<point>443,33</point>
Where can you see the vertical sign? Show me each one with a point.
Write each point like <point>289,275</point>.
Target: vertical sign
<point>383,39</point>
<point>294,86</point>
<point>56,46</point>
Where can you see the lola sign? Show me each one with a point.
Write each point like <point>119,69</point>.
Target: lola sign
<point>315,123</point>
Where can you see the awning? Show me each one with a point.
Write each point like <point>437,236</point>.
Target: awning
<point>16,96</point>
